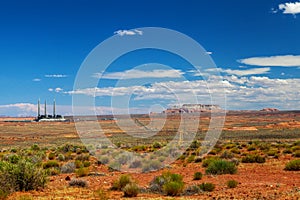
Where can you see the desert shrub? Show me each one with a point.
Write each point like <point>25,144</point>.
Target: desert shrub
<point>293,165</point>
<point>173,188</point>
<point>21,176</point>
<point>235,151</point>
<point>114,166</point>
<point>121,182</point>
<point>221,167</point>
<point>264,146</point>
<point>207,187</point>
<point>232,183</point>
<point>86,163</point>
<point>195,145</point>
<point>101,194</point>
<point>197,159</point>
<point>295,148</point>
<point>78,164</point>
<point>156,145</point>
<point>81,172</point>
<point>50,163</point>
<point>135,164</point>
<point>53,171</point>
<point>152,165</point>
<point>192,189</point>
<point>297,154</point>
<point>190,159</point>
<point>251,148</point>
<point>139,148</point>
<point>68,168</point>
<point>287,151</point>
<point>13,150</point>
<point>168,183</point>
<point>78,183</point>
<point>35,147</point>
<point>131,190</point>
<point>51,156</point>
<point>226,155</point>
<point>13,158</point>
<point>104,159</point>
<point>197,176</point>
<point>208,160</point>
<point>272,152</point>
<point>253,158</point>
<point>61,157</point>
<point>83,157</point>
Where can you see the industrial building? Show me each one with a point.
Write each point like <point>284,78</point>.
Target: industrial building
<point>48,118</point>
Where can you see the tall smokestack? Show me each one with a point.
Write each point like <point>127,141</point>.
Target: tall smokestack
<point>45,109</point>
<point>54,108</point>
<point>39,108</point>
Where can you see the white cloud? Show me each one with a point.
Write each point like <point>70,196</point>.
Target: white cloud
<point>254,92</point>
<point>246,72</point>
<point>290,8</point>
<point>128,32</point>
<point>36,79</point>
<point>134,74</point>
<point>238,72</point>
<point>58,89</point>
<point>209,52</point>
<point>281,61</point>
<point>56,76</point>
<point>18,109</point>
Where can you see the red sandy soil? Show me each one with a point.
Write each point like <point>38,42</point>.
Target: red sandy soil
<point>256,181</point>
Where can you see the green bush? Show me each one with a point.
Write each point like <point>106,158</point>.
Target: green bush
<point>253,158</point>
<point>208,160</point>
<point>21,176</point>
<point>296,154</point>
<point>232,183</point>
<point>51,156</point>
<point>83,171</point>
<point>135,164</point>
<point>207,187</point>
<point>50,163</point>
<point>61,157</point>
<point>104,160</point>
<point>293,165</point>
<point>121,182</point>
<point>156,145</point>
<point>131,190</point>
<point>86,163</point>
<point>221,167</point>
<point>173,188</point>
<point>78,183</point>
<point>197,176</point>
<point>167,183</point>
<point>152,165</point>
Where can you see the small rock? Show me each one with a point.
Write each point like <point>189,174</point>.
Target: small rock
<point>68,178</point>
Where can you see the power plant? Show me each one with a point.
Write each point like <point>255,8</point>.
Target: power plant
<point>48,118</point>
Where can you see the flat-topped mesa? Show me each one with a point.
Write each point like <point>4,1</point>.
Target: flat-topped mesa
<point>193,108</point>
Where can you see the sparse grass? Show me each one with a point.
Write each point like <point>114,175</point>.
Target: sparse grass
<point>253,158</point>
<point>197,176</point>
<point>81,172</point>
<point>131,190</point>
<point>293,165</point>
<point>207,187</point>
<point>218,167</point>
<point>121,182</point>
<point>232,184</point>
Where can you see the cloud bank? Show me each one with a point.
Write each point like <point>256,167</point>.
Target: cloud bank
<point>273,61</point>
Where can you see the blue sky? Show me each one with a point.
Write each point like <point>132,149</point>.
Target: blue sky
<point>254,44</point>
